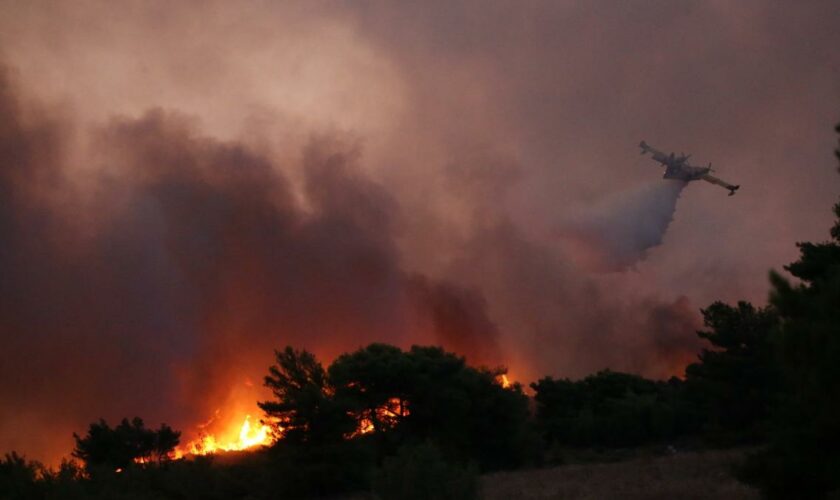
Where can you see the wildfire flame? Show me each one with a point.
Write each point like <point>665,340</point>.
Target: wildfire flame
<point>249,436</point>
<point>389,415</point>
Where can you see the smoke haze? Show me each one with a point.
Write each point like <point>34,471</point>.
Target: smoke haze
<point>185,187</point>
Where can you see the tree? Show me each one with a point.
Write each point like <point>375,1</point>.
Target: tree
<point>375,382</point>
<point>305,408</point>
<point>491,424</point>
<point>166,439</point>
<point>387,397</point>
<point>610,409</point>
<point>428,394</point>
<point>803,458</point>
<point>736,383</point>
<point>130,442</point>
<point>18,477</point>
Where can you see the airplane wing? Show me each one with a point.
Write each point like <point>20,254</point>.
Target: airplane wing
<point>657,155</point>
<point>720,182</point>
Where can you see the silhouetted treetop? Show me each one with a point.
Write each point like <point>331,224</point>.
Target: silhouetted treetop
<point>803,458</point>
<point>390,396</point>
<point>108,449</point>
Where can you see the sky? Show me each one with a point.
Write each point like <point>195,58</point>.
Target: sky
<point>185,187</point>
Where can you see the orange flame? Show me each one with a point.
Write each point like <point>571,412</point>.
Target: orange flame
<point>389,415</point>
<point>248,436</point>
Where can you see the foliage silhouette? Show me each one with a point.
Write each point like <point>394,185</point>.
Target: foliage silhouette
<point>803,458</point>
<point>305,407</point>
<point>401,397</point>
<point>736,383</point>
<point>611,409</point>
<point>104,450</point>
<point>429,394</point>
<point>18,477</point>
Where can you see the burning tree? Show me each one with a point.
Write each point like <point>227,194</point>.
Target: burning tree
<point>376,382</point>
<point>396,396</point>
<point>306,409</point>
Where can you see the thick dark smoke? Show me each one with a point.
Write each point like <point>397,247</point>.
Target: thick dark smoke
<point>179,268</point>
<point>617,232</point>
<point>459,320</point>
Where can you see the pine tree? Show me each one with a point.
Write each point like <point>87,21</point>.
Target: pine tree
<point>803,460</point>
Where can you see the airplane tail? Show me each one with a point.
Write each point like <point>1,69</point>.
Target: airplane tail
<point>644,147</point>
<point>733,189</point>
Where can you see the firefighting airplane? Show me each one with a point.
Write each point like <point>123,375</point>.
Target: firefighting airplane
<point>677,167</point>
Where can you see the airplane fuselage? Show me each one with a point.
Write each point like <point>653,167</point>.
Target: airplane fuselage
<point>685,172</point>
<point>678,168</point>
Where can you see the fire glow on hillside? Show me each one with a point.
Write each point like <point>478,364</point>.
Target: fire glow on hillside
<point>252,434</point>
<point>245,436</point>
<point>249,435</point>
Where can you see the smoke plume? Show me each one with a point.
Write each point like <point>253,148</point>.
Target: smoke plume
<point>617,232</point>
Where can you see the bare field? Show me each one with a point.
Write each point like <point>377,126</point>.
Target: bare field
<point>686,475</point>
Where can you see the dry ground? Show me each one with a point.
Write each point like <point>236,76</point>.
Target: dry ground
<point>685,475</point>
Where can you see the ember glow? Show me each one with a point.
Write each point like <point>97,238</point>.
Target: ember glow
<point>384,417</point>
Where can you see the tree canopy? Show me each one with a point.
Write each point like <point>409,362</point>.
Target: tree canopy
<point>391,397</point>
<point>305,407</point>
<point>803,459</point>
<point>130,442</point>
<point>609,409</point>
<point>735,383</point>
